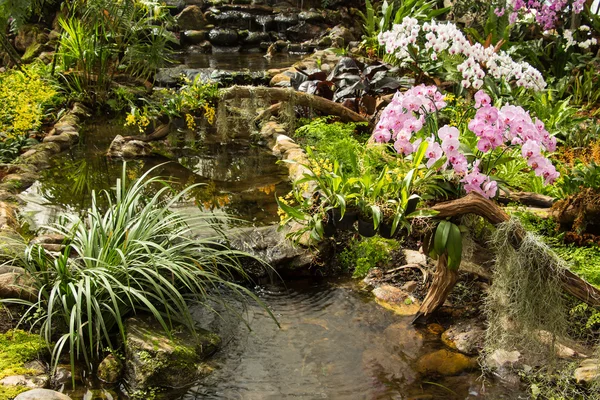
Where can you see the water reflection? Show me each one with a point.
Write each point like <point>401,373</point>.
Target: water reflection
<point>237,177</point>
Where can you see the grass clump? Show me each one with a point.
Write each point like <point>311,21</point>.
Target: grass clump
<point>135,256</point>
<point>18,347</point>
<point>362,255</point>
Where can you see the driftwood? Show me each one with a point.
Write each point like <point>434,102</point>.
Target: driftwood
<point>286,94</point>
<point>443,282</point>
<point>159,133</point>
<point>528,199</point>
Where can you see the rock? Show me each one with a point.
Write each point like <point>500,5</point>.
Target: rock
<point>51,238</point>
<point>446,363</point>
<point>311,16</point>
<point>406,337</point>
<point>435,329</point>
<point>110,369</point>
<point>193,37</point>
<point>153,359</point>
<point>223,37</point>
<point>175,6</point>
<point>15,285</point>
<point>128,148</point>
<point>560,349</point>
<point>30,381</point>
<point>410,286</point>
<point>256,37</point>
<point>396,299</point>
<point>588,371</point>
<point>304,31</point>
<point>467,337</point>
<point>42,394</point>
<point>204,47</point>
<point>27,36</point>
<point>414,257</point>
<point>282,79</point>
<point>341,36</point>
<point>191,18</point>
<point>501,359</point>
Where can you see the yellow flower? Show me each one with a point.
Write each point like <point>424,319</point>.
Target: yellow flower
<point>130,120</point>
<point>189,120</point>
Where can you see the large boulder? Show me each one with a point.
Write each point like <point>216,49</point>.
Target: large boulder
<point>154,359</point>
<point>341,36</point>
<point>16,285</point>
<point>191,18</point>
<point>42,394</point>
<point>29,35</point>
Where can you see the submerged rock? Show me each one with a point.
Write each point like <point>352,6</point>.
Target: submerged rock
<point>155,360</point>
<point>42,394</point>
<point>446,363</point>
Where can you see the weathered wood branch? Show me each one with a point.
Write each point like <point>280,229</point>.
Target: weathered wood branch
<point>476,204</point>
<point>159,133</point>
<point>528,199</point>
<point>287,94</point>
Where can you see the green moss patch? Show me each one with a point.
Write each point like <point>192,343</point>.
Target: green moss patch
<point>17,348</point>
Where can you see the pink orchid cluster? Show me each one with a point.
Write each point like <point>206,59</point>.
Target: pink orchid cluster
<point>404,118</point>
<point>547,13</point>
<point>445,36</point>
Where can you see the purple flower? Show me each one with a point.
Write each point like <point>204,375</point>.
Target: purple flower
<point>482,99</point>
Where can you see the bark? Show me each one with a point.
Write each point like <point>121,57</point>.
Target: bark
<point>444,280</point>
<point>528,199</point>
<point>476,204</point>
<point>302,99</point>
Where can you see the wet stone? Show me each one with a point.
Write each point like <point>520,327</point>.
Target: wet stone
<point>445,363</point>
<point>42,394</point>
<point>467,337</point>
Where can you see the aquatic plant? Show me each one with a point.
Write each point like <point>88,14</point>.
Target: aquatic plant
<point>136,256</point>
<point>361,255</point>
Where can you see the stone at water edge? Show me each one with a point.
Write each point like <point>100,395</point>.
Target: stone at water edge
<point>396,299</point>
<point>191,18</point>
<point>42,394</point>
<point>154,360</point>
<point>467,337</point>
<point>446,363</point>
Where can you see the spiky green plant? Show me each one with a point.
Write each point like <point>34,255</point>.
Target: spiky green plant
<point>135,256</point>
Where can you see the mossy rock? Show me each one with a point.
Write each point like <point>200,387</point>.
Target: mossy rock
<point>445,363</point>
<point>155,359</point>
<point>110,369</point>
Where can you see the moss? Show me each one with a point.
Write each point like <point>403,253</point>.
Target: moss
<point>10,392</point>
<point>362,255</point>
<point>16,348</point>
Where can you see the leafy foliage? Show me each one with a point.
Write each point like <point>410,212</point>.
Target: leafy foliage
<point>26,97</point>
<point>137,256</point>
<point>102,38</point>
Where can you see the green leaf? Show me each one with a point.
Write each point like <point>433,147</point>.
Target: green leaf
<point>376,215</point>
<point>441,237</point>
<point>419,154</point>
<point>454,247</point>
<point>291,211</point>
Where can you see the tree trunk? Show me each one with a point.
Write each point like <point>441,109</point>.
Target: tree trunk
<point>476,204</point>
<point>444,280</point>
<point>303,99</point>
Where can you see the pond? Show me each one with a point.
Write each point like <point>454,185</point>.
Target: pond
<point>237,177</point>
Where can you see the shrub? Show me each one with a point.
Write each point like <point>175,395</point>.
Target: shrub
<point>136,256</point>
<point>25,97</point>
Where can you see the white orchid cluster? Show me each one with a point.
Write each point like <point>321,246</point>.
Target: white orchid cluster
<point>584,40</point>
<point>432,38</point>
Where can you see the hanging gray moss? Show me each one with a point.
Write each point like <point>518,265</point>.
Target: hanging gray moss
<point>526,309</point>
